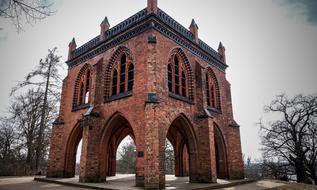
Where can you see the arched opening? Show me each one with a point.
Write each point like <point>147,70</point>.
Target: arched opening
<point>221,156</point>
<point>73,146</point>
<point>181,136</point>
<point>78,157</point>
<point>115,136</point>
<point>169,158</point>
<point>126,156</point>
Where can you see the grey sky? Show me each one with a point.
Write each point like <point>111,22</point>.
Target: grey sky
<point>271,48</point>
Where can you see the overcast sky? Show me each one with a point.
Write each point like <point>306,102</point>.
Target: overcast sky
<point>271,46</point>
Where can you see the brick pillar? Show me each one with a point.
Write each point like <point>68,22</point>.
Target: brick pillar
<point>185,161</point>
<point>55,166</point>
<point>154,138</point>
<point>207,157</point>
<point>177,158</point>
<point>89,162</point>
<point>235,162</point>
<point>139,173</point>
<point>154,171</point>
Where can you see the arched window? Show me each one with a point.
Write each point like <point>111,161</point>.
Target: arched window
<point>177,79</point>
<point>81,95</point>
<point>122,77</point>
<point>169,78</point>
<point>87,91</point>
<point>130,77</point>
<point>114,82</point>
<point>212,90</point>
<point>83,86</point>
<point>122,73</point>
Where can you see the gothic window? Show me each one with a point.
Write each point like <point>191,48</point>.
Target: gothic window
<point>83,88</point>
<point>183,86</point>
<point>122,77</point>
<point>169,78</point>
<point>177,78</point>
<point>130,77</point>
<point>212,91</point>
<point>114,82</point>
<point>122,73</point>
<point>87,90</point>
<point>81,94</point>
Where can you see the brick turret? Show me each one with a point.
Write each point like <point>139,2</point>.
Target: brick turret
<point>104,26</point>
<point>152,6</point>
<point>222,52</point>
<point>194,30</point>
<point>71,47</point>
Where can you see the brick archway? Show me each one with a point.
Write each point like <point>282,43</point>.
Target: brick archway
<point>116,129</point>
<point>182,136</point>
<point>221,154</point>
<point>71,150</point>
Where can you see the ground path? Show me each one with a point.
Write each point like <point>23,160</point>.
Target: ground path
<point>123,182</point>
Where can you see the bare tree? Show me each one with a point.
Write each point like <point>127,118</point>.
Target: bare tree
<point>127,156</point>
<point>47,78</point>
<point>8,137</point>
<point>289,138</point>
<point>26,111</point>
<point>28,10</point>
<point>169,158</point>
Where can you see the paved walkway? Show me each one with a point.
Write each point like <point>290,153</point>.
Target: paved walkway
<point>125,182</point>
<point>28,183</point>
<point>259,185</point>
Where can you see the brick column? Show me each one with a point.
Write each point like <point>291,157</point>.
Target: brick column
<point>89,162</point>
<point>206,153</point>
<point>235,162</point>
<point>139,176</point>
<point>154,154</point>
<point>55,166</point>
<point>154,171</point>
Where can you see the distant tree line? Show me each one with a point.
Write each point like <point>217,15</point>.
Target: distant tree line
<point>25,131</point>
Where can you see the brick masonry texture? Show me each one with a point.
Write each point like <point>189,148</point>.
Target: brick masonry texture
<point>206,141</point>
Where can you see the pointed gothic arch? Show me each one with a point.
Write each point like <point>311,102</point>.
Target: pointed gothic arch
<point>221,153</point>
<point>182,135</point>
<point>71,149</point>
<point>116,129</point>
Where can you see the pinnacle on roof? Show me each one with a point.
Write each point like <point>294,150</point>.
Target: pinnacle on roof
<point>105,21</point>
<point>193,24</point>
<point>152,6</point>
<point>220,46</point>
<point>222,52</point>
<point>73,42</point>
<point>194,30</point>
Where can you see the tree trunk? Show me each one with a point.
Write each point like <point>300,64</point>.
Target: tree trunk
<point>300,171</point>
<point>42,124</point>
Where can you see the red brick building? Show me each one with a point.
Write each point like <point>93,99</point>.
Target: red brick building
<point>152,79</point>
